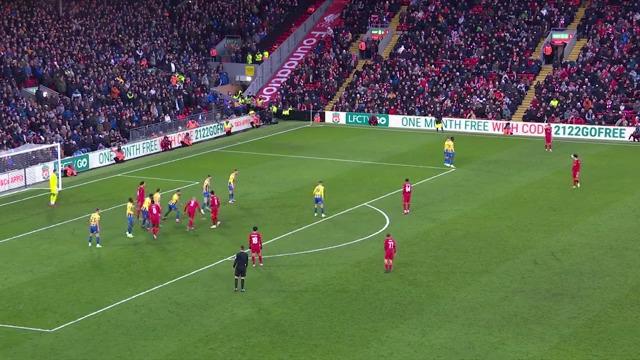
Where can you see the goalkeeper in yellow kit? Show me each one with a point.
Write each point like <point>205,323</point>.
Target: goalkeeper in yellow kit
<point>53,187</point>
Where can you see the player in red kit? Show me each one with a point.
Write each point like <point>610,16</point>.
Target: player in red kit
<point>154,217</point>
<point>214,204</point>
<point>575,170</point>
<point>548,139</point>
<point>390,249</point>
<point>140,199</point>
<point>406,196</point>
<point>190,208</point>
<point>255,244</point>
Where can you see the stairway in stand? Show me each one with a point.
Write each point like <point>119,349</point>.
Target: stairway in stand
<point>395,34</point>
<point>526,102</point>
<point>393,25</point>
<point>548,69</point>
<point>575,52</point>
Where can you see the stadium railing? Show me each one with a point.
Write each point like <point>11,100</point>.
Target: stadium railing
<point>162,128</point>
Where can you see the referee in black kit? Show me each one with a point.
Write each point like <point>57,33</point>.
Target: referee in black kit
<point>240,264</point>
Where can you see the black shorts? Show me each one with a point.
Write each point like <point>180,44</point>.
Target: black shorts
<point>241,272</point>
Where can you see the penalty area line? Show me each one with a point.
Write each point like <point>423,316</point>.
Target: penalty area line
<point>155,178</point>
<point>23,328</point>
<point>333,159</point>
<point>206,267</point>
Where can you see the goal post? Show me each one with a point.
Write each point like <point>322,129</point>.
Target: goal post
<point>29,167</point>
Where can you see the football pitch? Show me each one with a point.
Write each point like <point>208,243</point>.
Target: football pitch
<point>499,258</point>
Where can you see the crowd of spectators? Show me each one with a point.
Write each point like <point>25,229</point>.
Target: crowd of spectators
<point>114,65</point>
<point>249,20</point>
<point>458,58</point>
<point>358,14</point>
<point>603,86</point>
<point>319,76</point>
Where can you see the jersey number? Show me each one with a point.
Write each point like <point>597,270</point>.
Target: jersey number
<point>407,188</point>
<point>254,239</point>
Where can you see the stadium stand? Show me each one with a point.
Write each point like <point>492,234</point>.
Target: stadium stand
<point>106,72</point>
<point>603,86</point>
<point>252,21</point>
<point>318,76</point>
<point>458,58</point>
<point>314,82</point>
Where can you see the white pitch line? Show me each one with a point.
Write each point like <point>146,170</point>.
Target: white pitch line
<point>386,225</point>
<point>231,256</point>
<point>24,328</point>
<point>159,164</point>
<point>333,159</point>
<point>15,192</point>
<point>495,136</point>
<point>142,177</point>
<point>80,217</point>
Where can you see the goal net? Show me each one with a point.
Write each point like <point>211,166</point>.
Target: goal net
<point>29,167</point>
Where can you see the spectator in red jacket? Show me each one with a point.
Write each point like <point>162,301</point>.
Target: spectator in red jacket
<point>186,140</point>
<point>165,144</point>
<point>119,156</point>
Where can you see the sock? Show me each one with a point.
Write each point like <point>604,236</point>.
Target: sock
<point>214,220</point>
<point>260,258</point>
<point>322,209</point>
<point>253,260</point>
<point>190,222</point>
<point>167,214</point>
<point>97,239</point>
<point>231,196</point>
<point>236,283</point>
<point>178,215</point>
<point>390,267</point>
<point>130,228</point>
<point>315,210</point>
<point>242,283</point>
<point>89,239</point>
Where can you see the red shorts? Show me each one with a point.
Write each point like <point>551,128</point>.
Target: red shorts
<point>191,215</point>
<point>214,213</point>
<point>388,255</point>
<point>406,198</point>
<point>547,140</point>
<point>140,204</point>
<point>255,249</point>
<point>576,174</point>
<point>155,221</point>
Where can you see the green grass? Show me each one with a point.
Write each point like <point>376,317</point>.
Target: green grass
<point>499,259</point>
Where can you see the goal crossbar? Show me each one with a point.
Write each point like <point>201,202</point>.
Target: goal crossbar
<point>29,167</point>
